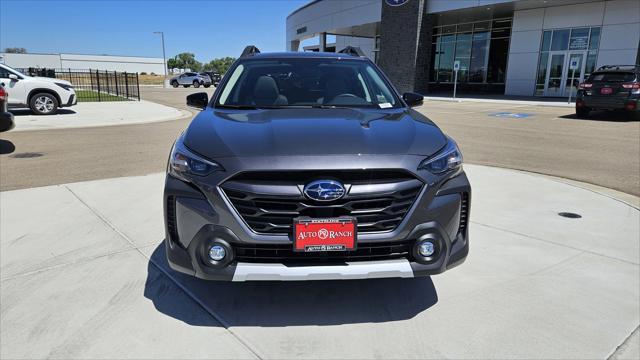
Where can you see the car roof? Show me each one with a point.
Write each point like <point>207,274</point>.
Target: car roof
<point>303,55</point>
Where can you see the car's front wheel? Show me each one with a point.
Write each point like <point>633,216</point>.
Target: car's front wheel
<point>582,113</point>
<point>207,85</point>
<point>196,84</point>
<point>43,104</point>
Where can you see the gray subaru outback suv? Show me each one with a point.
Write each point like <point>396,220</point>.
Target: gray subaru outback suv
<point>310,166</point>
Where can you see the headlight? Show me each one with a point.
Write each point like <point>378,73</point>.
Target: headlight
<point>65,86</point>
<point>183,162</point>
<point>450,158</point>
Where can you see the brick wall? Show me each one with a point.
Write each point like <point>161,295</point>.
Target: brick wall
<point>405,45</point>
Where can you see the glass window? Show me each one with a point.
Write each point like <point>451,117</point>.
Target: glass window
<point>482,25</point>
<point>445,67</point>
<point>307,82</point>
<point>497,60</point>
<point>479,49</point>
<point>501,23</point>
<point>451,29</point>
<point>613,77</point>
<point>546,41</point>
<point>500,33</point>
<point>591,63</point>
<point>465,27</point>
<point>594,43</point>
<point>579,39</point>
<point>560,40</point>
<point>542,68</point>
<point>463,46</point>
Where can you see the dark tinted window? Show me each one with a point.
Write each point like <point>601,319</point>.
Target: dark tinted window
<point>306,82</point>
<point>612,77</point>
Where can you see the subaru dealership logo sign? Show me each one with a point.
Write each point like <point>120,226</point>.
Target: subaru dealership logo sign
<point>324,190</point>
<point>396,2</point>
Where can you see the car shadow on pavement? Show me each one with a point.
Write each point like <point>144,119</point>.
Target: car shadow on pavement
<point>6,147</point>
<point>296,303</point>
<point>614,116</point>
<point>24,112</point>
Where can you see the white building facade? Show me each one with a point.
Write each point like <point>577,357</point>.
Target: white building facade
<point>132,64</point>
<point>512,47</point>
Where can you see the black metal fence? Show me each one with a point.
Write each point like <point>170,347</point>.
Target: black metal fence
<point>95,85</point>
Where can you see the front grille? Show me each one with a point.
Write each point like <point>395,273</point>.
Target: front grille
<point>285,254</point>
<point>268,202</point>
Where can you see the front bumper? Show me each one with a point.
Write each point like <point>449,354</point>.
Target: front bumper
<point>194,220</point>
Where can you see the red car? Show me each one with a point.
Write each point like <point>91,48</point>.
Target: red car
<point>6,118</point>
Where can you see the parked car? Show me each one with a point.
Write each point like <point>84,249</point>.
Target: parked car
<point>611,87</point>
<point>311,166</point>
<point>190,78</point>
<point>6,118</point>
<point>42,95</point>
<point>215,77</point>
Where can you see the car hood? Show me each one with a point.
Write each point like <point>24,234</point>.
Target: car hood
<point>50,80</point>
<point>281,132</point>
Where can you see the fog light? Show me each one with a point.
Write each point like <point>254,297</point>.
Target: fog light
<point>217,253</point>
<point>426,248</point>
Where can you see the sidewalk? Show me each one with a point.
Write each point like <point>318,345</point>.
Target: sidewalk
<point>84,275</point>
<point>504,99</point>
<point>92,114</point>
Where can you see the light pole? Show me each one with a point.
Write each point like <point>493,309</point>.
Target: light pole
<point>164,58</point>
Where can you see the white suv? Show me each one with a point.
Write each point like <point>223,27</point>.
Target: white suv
<point>43,95</point>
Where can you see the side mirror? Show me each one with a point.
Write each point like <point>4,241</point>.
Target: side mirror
<point>198,100</point>
<point>14,77</point>
<point>412,99</point>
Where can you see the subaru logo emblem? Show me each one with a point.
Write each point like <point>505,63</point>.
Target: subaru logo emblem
<point>324,190</point>
<point>396,2</point>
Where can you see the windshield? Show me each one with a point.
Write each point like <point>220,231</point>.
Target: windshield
<point>10,69</point>
<point>613,77</point>
<point>305,82</point>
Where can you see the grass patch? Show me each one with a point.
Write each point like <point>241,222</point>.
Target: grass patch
<point>92,96</point>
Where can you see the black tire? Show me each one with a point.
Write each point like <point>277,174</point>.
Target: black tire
<point>175,84</point>
<point>43,104</point>
<point>582,113</point>
<point>207,85</point>
<point>196,84</point>
<point>185,86</point>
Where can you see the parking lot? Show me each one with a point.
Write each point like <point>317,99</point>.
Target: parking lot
<point>603,150</point>
<point>535,285</point>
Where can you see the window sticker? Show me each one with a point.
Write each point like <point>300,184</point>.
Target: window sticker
<point>384,105</point>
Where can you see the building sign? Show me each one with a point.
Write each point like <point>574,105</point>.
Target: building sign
<point>396,2</point>
<point>301,30</point>
<point>579,43</point>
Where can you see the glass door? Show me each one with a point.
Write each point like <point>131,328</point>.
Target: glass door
<point>574,77</point>
<point>554,85</point>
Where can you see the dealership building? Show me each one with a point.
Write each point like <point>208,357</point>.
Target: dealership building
<point>516,47</point>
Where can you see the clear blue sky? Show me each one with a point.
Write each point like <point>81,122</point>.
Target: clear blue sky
<point>209,29</point>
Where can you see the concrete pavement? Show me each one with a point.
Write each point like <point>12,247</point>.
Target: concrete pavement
<point>83,275</point>
<point>93,114</point>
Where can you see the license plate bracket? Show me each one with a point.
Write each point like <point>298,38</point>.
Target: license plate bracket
<point>606,91</point>
<point>328,234</point>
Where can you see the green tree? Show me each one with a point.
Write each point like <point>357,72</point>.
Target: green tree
<point>15,50</point>
<point>184,61</point>
<point>219,65</point>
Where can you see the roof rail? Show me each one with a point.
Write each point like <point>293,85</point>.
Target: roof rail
<point>352,50</point>
<point>617,67</point>
<point>250,51</point>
